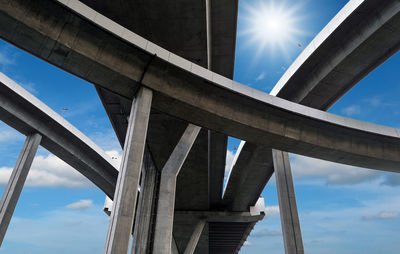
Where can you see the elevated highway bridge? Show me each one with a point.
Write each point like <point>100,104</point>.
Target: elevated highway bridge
<point>172,101</point>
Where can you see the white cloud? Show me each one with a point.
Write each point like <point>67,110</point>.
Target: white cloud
<point>392,179</point>
<point>382,215</point>
<point>333,173</point>
<point>261,76</point>
<point>339,224</point>
<point>9,135</point>
<point>59,231</point>
<point>50,171</point>
<point>351,110</point>
<point>271,211</point>
<point>266,232</point>
<point>80,205</point>
<point>247,243</point>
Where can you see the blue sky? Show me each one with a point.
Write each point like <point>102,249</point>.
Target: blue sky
<point>341,208</point>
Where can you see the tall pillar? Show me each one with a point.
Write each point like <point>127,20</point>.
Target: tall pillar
<point>166,198</point>
<point>17,181</point>
<point>194,239</point>
<point>123,211</point>
<point>287,204</point>
<point>143,216</point>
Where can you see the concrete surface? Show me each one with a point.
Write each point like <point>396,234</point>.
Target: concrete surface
<point>121,74</point>
<point>16,182</point>
<point>194,239</point>
<point>292,239</point>
<point>337,59</point>
<point>356,41</point>
<point>25,113</point>
<point>252,168</point>
<point>126,190</point>
<point>141,232</point>
<point>166,197</point>
<point>174,247</point>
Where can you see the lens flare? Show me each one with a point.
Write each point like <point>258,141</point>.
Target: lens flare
<point>271,26</point>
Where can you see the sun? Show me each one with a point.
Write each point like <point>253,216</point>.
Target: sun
<point>272,26</point>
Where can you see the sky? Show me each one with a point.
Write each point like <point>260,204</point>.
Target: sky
<point>341,208</point>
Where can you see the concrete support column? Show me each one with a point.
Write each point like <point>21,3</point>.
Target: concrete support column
<point>174,247</point>
<point>143,217</point>
<point>194,239</point>
<point>166,198</point>
<point>17,181</point>
<point>123,211</point>
<point>287,204</point>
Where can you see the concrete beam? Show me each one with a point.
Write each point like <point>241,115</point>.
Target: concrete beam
<point>123,211</point>
<point>287,204</point>
<point>191,246</point>
<point>141,232</point>
<point>340,55</point>
<point>219,216</point>
<point>27,114</point>
<point>217,142</point>
<point>251,169</point>
<point>16,182</point>
<point>337,58</point>
<point>166,198</point>
<point>190,92</point>
<point>223,22</point>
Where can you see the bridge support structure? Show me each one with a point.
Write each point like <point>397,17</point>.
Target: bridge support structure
<point>126,191</point>
<point>142,227</point>
<point>292,238</point>
<point>194,239</point>
<point>16,182</point>
<point>166,198</point>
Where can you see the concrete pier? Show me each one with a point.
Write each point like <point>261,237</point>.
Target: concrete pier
<point>287,204</point>
<point>145,206</point>
<point>17,181</point>
<point>122,214</point>
<point>166,199</point>
<point>194,239</point>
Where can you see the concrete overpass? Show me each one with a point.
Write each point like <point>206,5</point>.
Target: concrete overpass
<point>208,40</point>
<point>117,60</point>
<point>42,126</point>
<point>25,113</point>
<point>356,41</point>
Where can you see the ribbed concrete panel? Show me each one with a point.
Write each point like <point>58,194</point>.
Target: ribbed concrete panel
<point>227,237</point>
